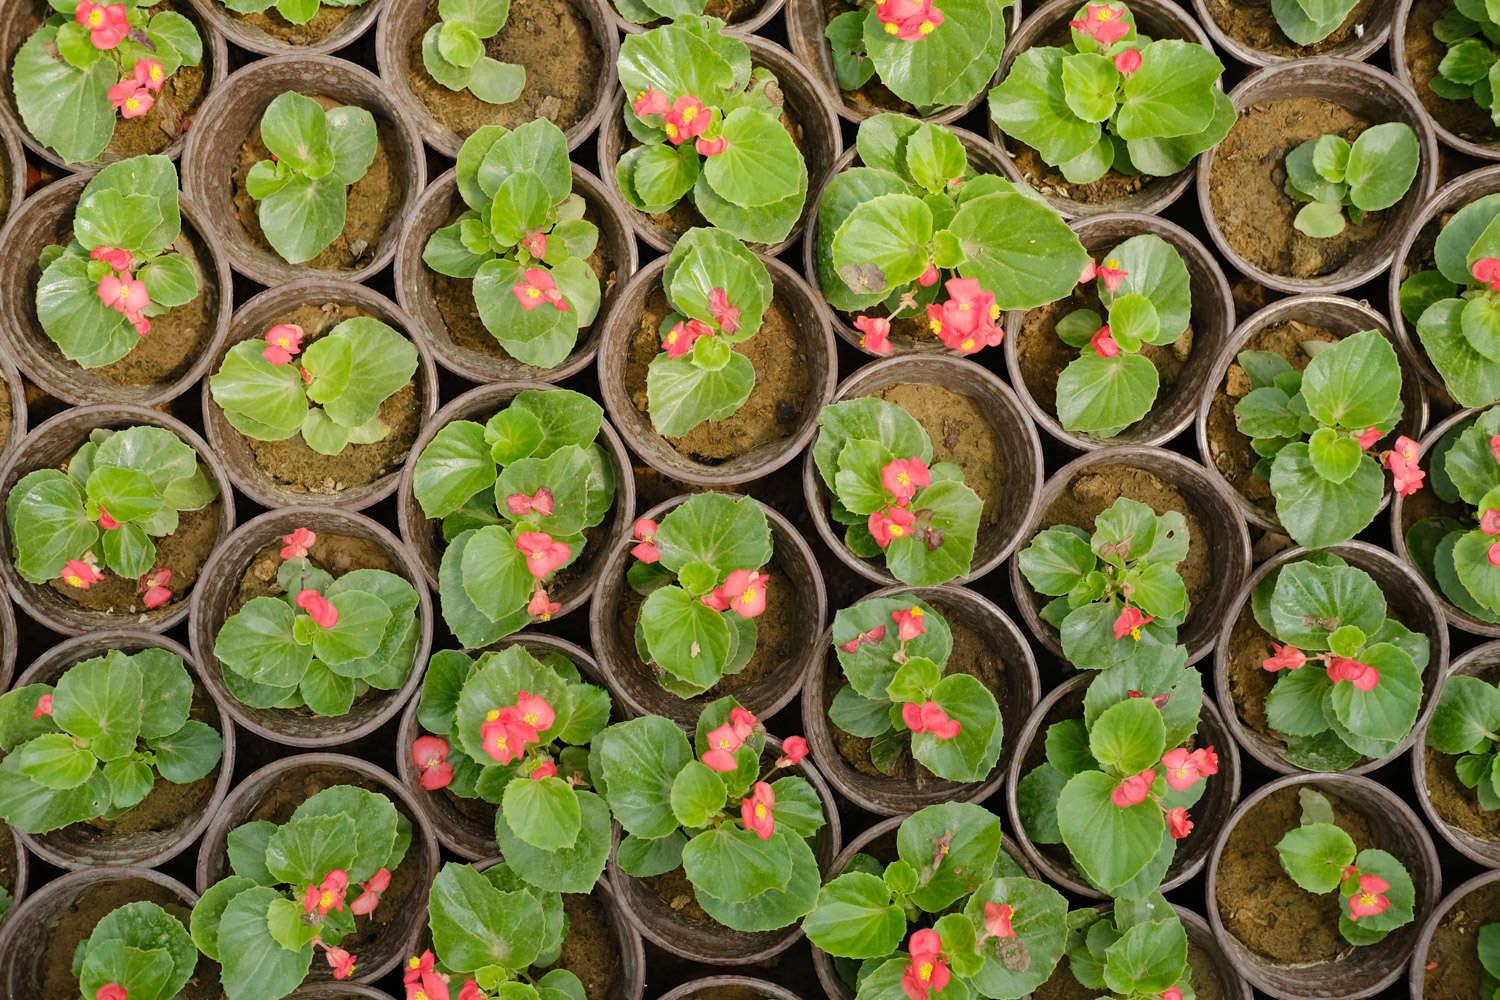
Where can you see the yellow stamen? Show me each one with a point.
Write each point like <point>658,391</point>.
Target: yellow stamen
<point>760,812</point>
<point>690,113</point>
<point>926,28</point>
<point>925,971</point>
<point>896,531</point>
<point>492,715</point>
<point>891,29</point>
<point>994,312</point>
<point>533,293</point>
<point>1135,633</point>
<point>748,597</point>
<point>529,718</point>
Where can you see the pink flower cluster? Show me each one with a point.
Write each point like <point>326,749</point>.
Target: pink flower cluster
<point>423,981</point>
<point>1104,23</point>
<point>687,332</point>
<point>1368,899</point>
<point>1406,474</point>
<point>430,755</point>
<point>134,96</point>
<point>536,288</point>
<point>120,291</point>
<point>544,554</point>
<point>725,740</point>
<point>928,969</point>
<point>968,321</point>
<point>81,573</point>
<point>319,608</point>
<point>283,342</point>
<point>743,592</point>
<point>507,732</point>
<point>1340,668</point>
<point>107,24</point>
<point>1110,274</point>
<point>683,119</point>
<point>901,477</point>
<point>1182,769</point>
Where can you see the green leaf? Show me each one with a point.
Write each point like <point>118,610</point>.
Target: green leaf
<point>736,864</point>
<point>209,910</point>
<point>1031,105</point>
<point>1128,736</point>
<point>1382,165</point>
<point>957,843</point>
<point>475,924</point>
<point>1466,714</point>
<point>257,965</point>
<point>1149,958</point>
<point>1294,707</point>
<point>1316,512</point>
<point>947,67</point>
<point>1334,456</point>
<point>55,761</point>
<point>1090,81</point>
<point>569,869</point>
<point>189,753</point>
<point>99,702</point>
<point>1314,855</point>
<point>1110,844</point>
<point>257,643</point>
<point>681,394</point>
<point>698,794</point>
<point>1171,94</point>
<point>759,164</point>
<point>971,754</point>
<point>640,760</point>
<point>67,109</point>
<point>544,813</point>
<point>855,917</point>
<point>1320,220</point>
<point>1105,395</point>
<point>303,217</point>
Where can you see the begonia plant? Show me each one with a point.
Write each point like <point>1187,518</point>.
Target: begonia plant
<point>1465,725</point>
<point>1375,888</point>
<point>1113,99</point>
<point>323,641</point>
<point>714,809</point>
<point>515,495</point>
<point>890,229</point>
<point>894,653</point>
<point>702,572</point>
<point>291,11</point>
<point>1135,950</point>
<point>1333,177</point>
<point>513,730</point>
<point>1314,431</point>
<point>94,744</point>
<point>709,126</point>
<point>874,458</point>
<point>301,193</point>
<point>1350,677</point>
<point>1117,784</point>
<point>453,51</point>
<point>1116,593</point>
<point>1307,22</point>
<point>102,510</point>
<point>88,61</point>
<point>299,887</point>
<point>137,951</point>
<point>982,926</point>
<point>97,295</point>
<point>523,240</point>
<point>1488,943</point>
<point>1470,31</point>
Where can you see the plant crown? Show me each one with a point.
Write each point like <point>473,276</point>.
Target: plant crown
<point>453,51</point>
<point>141,950</point>
<point>1334,177</point>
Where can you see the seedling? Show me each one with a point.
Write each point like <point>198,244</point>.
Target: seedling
<point>977,924</point>
<point>1135,950</point>
<point>1335,178</point>
<point>1465,725</point>
<point>96,296</point>
<point>323,642</point>
<point>1308,22</point>
<point>523,240</point>
<point>139,951</point>
<point>893,651</point>
<point>874,458</point>
<point>711,808</point>
<point>453,51</point>
<point>94,744</point>
<point>291,11</point>
<point>515,495</point>
<point>1470,30</point>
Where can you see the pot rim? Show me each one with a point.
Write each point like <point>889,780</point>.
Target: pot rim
<point>349,30</point>
<point>1398,62</point>
<point>1472,662</point>
<point>767,10</point>
<point>1359,48</point>
<point>764,988</point>
<point>1416,974</point>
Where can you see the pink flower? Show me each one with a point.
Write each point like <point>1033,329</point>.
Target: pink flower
<point>123,295</point>
<point>110,991</point>
<point>1172,992</point>
<point>1184,769</point>
<point>1103,342</point>
<point>107,23</point>
<point>546,769</point>
<point>679,340</point>
<point>470,991</point>
<point>1089,273</point>
<point>541,606</point>
<point>651,102</point>
<point>543,554</point>
<point>1363,676</point>
<point>536,288</point>
<point>1112,274</point>
<point>120,260</point>
<point>283,341</point>
<point>1406,476</point>
<point>645,534</point>
<point>1129,61</point>
<point>1370,900</point>
<point>535,710</point>
<point>927,971</point>
<point>876,332</point>
<point>742,722</point>
<point>724,314</point>
<point>105,521</point>
<point>1285,658</point>
<point>891,523</point>
<point>340,961</point>
<point>149,74</point>
<point>297,544</point>
<point>874,635</point>
<point>997,917</point>
<point>966,322</point>
<point>535,243</point>
<point>430,755</point>
<point>1368,437</point>
<point>1134,789</point>
<point>908,20</point>
<point>1494,554</point>
<point>1178,824</point>
<point>142,325</point>
<point>746,591</point>
<point>755,811</point>
<point>1103,23</point>
<point>793,750</point>
<point>722,744</point>
<point>910,623</point>
<point>519,504</point>
<point>929,717</point>
<point>902,477</point>
<point>130,99</point>
<point>715,599</point>
<point>929,277</point>
<point>1486,271</point>
<point>80,573</point>
<point>318,608</point>
<point>1130,622</point>
<point>156,592</point>
<point>711,147</point>
<point>687,119</point>
<point>504,735</point>
<point>1489,522</point>
<point>43,707</point>
<point>329,895</point>
<point>1495,447</point>
<point>415,968</point>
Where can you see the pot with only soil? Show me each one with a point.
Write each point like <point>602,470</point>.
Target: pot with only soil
<point>664,910</point>
<point>1221,792</point>
<point>1241,683</point>
<point>244,567</point>
<point>722,987</point>
<point>810,118</point>
<point>561,44</point>
<point>163,129</point>
<point>796,368</point>
<point>1241,182</point>
<point>41,934</point>
<point>115,602</point>
<point>1294,949</point>
<point>227,144</point>
<point>445,308</point>
<point>1415,55</point>
<point>1035,356</point>
<point>787,639</point>
<point>270,34</point>
<point>273,792</point>
<point>467,826</point>
<point>1249,31</point>
<point>976,422</point>
<point>1280,328</point>
<point>1114,192</point>
<point>1218,555</point>
<point>1445,962</point>
<point>167,361</point>
<point>986,645</point>
<point>1452,808</point>
<point>172,816</point>
<point>287,472</point>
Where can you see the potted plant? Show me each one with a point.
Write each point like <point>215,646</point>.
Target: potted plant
<point>743,16</point>
<point>1456,950</point>
<point>1261,34</point>
<point>139,950</point>
<point>1133,949</point>
<point>121,720</point>
<point>338,144</point>
<point>306,27</point>
<point>1103,136</point>
<point>1455,793</point>
<point>713,362</point>
<point>312,626</point>
<point>1422,32</point>
<point>112,293</point>
<point>110,511</point>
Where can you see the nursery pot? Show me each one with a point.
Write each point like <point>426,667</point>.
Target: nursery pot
<point>1004,644</point>
<point>385,938</point>
<point>1472,830</point>
<point>1449,941</point>
<point>467,826</point>
<point>339,991</point>
<point>425,536</point>
<point>807,106</point>
<point>1352,973</point>
<point>245,564</point>
<point>708,941</point>
<point>97,843</point>
<point>1015,465</point>
<point>12,169</point>
<point>339,300</point>
<point>740,986</point>
<point>220,152</point>
<point>1409,600</point>
<point>1248,32</point>
<point>13,857</point>
<point>172,358</point>
<point>42,932</point>
<point>14,404</point>
<point>1363,90</point>
<point>9,640</point>
<point>1228,456</point>
<point>458,338</point>
<point>1048,25</point>
<point>52,444</point>
<point>587,24</point>
<point>1164,480</point>
<point>269,34</point>
<point>1210,326</point>
<point>1220,794</point>
<point>630,341</point>
<point>1415,54</point>
<point>796,583</point>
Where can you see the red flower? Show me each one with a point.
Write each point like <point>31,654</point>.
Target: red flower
<point>651,102</point>
<point>416,968</point>
<point>908,20</point>
<point>106,23</point>
<point>1129,61</point>
<point>319,608</point>
<point>541,606</point>
<point>120,260</point>
<point>997,917</point>
<point>724,314</point>
<point>329,895</point>
<point>535,711</point>
<point>156,592</point>
<point>535,288</point>
<point>1178,824</point>
<point>80,573</point>
<point>1103,342</point>
<point>722,744</point>
<point>679,340</point>
<point>1103,23</point>
<point>1134,789</point>
<point>1368,437</point>
<point>927,970</point>
<point>541,502</point>
<point>124,295</point>
<point>543,554</point>
<point>1370,900</point>
<point>296,544</point>
<point>929,277</point>
<point>130,99</point>
<point>1285,658</point>
<point>755,811</point>
<point>105,521</point>
<point>283,342</point>
<point>966,322</point>
<point>874,635</point>
<point>891,523</point>
<point>110,991</point>
<point>877,334</point>
<point>715,599</point>
<point>910,623</point>
<point>1130,622</point>
<point>1489,522</point>
<point>1089,273</point>
<point>1171,993</point>
<point>1486,271</point>
<point>645,533</point>
<point>1363,676</point>
<point>43,707</point>
<point>746,592</point>
<point>430,755</point>
<point>1406,475</point>
<point>711,147</point>
<point>149,73</point>
<point>902,477</point>
<point>340,961</point>
<point>535,243</point>
<point>929,717</point>
<point>1185,769</point>
<point>470,991</point>
<point>793,750</point>
<point>546,769</point>
<point>687,120</point>
<point>742,721</point>
<point>1112,274</point>
<point>1495,447</point>
<point>504,735</point>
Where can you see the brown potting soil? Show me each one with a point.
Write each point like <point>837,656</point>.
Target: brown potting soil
<point>292,463</point>
<point>1252,22</point>
<point>1457,805</point>
<point>9,865</point>
<point>372,201</point>
<point>1260,904</point>
<point>783,385</point>
<point>1062,985</point>
<point>1424,52</point>
<point>5,415</point>
<point>555,42</point>
<point>1249,682</point>
<point>183,552</point>
<point>590,950</point>
<point>1247,195</point>
<point>674,889</point>
<point>1230,449</point>
<point>1452,961</point>
<point>960,434</point>
<point>874,96</point>
<point>334,554</point>
<point>323,24</point>
<point>1203,968</point>
<point>1049,181</point>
